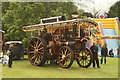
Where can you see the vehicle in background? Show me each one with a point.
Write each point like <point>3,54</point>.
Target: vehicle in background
<point>18,49</point>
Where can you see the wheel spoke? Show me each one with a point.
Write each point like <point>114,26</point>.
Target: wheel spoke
<point>66,63</point>
<point>66,51</point>
<point>34,42</point>
<point>35,60</point>
<point>69,54</point>
<point>82,53</point>
<point>82,61</point>
<point>32,46</point>
<point>38,57</point>
<point>31,51</point>
<point>62,52</point>
<point>68,59</point>
<point>88,56</point>
<point>63,62</point>
<point>62,59</point>
<point>86,51</point>
<point>39,44</point>
<point>88,59</point>
<point>41,56</point>
<point>32,57</point>
<point>40,49</point>
<point>79,59</point>
<point>86,62</point>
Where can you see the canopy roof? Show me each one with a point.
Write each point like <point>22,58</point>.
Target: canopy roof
<point>2,31</point>
<point>13,42</point>
<point>85,23</point>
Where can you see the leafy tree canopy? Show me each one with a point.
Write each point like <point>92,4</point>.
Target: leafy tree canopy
<point>115,10</point>
<point>15,15</point>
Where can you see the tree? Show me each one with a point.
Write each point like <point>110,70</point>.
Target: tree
<point>115,10</point>
<point>19,14</point>
<point>86,14</point>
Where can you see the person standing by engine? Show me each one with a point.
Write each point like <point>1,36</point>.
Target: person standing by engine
<point>74,16</point>
<point>118,51</point>
<point>11,54</point>
<point>94,50</point>
<point>111,54</point>
<point>104,52</point>
<point>46,35</point>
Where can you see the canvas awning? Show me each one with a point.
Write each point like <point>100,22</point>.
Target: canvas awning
<point>86,23</point>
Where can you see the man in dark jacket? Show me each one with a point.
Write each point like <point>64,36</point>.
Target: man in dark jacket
<point>104,52</point>
<point>118,51</point>
<point>66,33</point>
<point>111,54</point>
<point>82,32</point>
<point>11,54</point>
<point>46,35</point>
<point>94,50</point>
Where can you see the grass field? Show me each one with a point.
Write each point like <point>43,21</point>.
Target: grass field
<point>0,71</point>
<point>23,69</point>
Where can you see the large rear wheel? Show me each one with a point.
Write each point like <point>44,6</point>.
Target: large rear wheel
<point>37,50</point>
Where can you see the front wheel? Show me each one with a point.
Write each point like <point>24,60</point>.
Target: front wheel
<point>84,58</point>
<point>65,57</point>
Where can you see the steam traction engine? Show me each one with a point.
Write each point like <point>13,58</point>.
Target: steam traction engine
<point>61,42</point>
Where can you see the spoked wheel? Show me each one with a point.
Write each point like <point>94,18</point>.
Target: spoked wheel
<point>37,50</point>
<point>65,57</point>
<point>84,58</point>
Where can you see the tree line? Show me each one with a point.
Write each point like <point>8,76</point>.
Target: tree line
<point>15,15</point>
<point>115,12</point>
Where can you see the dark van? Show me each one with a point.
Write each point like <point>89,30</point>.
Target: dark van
<point>18,49</point>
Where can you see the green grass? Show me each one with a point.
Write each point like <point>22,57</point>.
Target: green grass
<point>23,69</point>
<point>0,71</point>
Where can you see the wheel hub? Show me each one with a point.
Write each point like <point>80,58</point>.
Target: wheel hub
<point>36,50</point>
<point>84,57</point>
<point>63,56</point>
